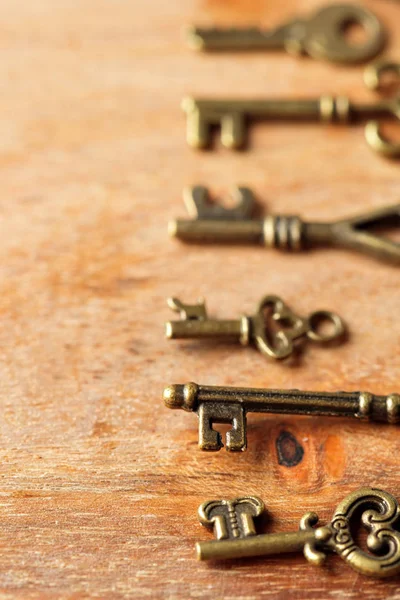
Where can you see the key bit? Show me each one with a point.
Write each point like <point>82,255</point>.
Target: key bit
<point>231,405</point>
<point>215,224</point>
<point>322,36</point>
<point>234,116</point>
<point>274,328</point>
<point>236,537</point>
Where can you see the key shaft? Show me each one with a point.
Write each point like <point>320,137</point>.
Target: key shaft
<point>208,328</point>
<point>208,231</point>
<point>258,545</point>
<point>191,396</point>
<point>251,38</point>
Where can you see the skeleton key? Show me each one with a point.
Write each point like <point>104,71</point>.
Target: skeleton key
<point>214,223</point>
<point>378,511</point>
<point>231,405</point>
<point>322,36</point>
<point>233,116</point>
<point>277,342</point>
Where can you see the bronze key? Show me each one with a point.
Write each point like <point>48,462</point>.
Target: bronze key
<point>322,36</point>
<point>234,528</point>
<point>233,116</point>
<point>276,342</point>
<point>231,405</point>
<point>214,223</point>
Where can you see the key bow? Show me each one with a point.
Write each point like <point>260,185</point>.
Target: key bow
<point>381,513</point>
<point>280,344</point>
<point>325,34</point>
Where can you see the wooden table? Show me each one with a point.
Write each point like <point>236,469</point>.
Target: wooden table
<point>100,482</point>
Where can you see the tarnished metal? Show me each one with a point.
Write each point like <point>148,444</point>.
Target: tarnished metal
<point>323,36</point>
<point>274,329</point>
<point>231,405</point>
<point>377,510</point>
<point>212,223</point>
<point>233,116</point>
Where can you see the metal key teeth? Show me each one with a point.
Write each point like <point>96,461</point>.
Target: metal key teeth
<point>284,232</point>
<point>231,518</point>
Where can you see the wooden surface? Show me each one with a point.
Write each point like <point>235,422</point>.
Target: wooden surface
<point>100,483</point>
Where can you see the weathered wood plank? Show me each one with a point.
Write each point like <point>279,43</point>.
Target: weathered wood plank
<point>99,482</point>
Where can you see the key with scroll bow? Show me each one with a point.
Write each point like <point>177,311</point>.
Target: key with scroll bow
<point>274,329</point>
<point>212,223</point>
<point>378,511</point>
<point>234,116</point>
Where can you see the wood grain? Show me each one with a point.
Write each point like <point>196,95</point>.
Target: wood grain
<point>100,483</point>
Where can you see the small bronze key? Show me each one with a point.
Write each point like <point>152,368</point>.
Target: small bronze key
<point>322,36</point>
<point>233,116</point>
<point>377,510</point>
<point>214,223</point>
<point>276,342</point>
<point>231,405</point>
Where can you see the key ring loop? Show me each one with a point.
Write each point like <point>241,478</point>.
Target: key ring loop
<point>326,36</point>
<point>314,320</point>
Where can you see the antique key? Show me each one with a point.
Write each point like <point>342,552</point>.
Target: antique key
<point>233,116</point>
<point>214,223</point>
<point>231,405</point>
<point>274,341</point>
<point>378,511</point>
<point>322,36</point>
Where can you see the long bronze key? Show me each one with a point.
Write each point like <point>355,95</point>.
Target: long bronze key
<point>214,223</point>
<point>231,405</point>
<point>233,116</point>
<point>274,328</point>
<point>377,510</point>
<point>322,36</point>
